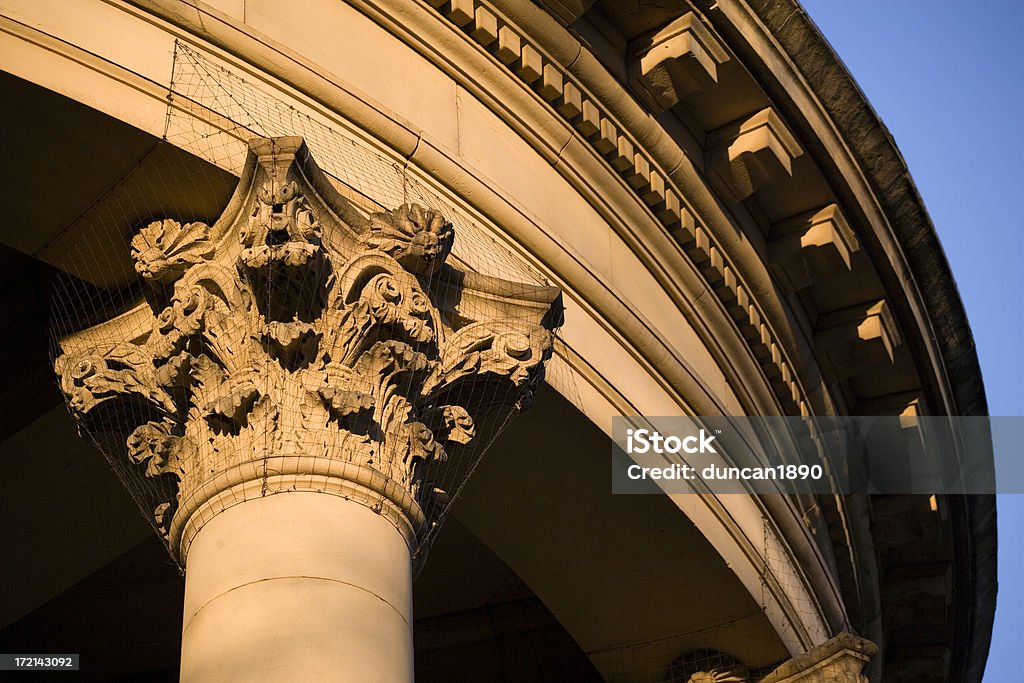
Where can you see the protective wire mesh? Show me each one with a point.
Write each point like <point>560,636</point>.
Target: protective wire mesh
<point>697,656</point>
<point>213,111</point>
<point>252,371</point>
<point>781,575</point>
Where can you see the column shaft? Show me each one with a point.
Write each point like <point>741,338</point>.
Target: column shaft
<point>298,586</point>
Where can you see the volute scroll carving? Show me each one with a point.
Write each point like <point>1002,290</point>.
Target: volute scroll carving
<point>296,329</point>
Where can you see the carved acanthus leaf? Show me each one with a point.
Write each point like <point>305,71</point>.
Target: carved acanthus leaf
<point>386,359</point>
<point>345,403</point>
<point>291,343</point>
<point>235,397</point>
<point>118,371</point>
<point>417,442</point>
<point>164,250</point>
<point>162,452</point>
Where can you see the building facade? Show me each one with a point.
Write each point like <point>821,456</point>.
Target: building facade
<point>312,258</point>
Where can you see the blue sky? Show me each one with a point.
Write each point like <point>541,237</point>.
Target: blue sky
<point>948,80</point>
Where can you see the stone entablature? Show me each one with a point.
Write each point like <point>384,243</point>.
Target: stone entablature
<point>297,344</point>
<point>744,157</point>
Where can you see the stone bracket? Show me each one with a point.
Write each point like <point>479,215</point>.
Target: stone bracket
<point>675,61</point>
<point>809,247</point>
<point>839,660</point>
<point>852,340</point>
<point>909,406</point>
<point>752,153</point>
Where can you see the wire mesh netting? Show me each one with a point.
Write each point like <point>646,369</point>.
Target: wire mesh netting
<point>213,111</point>
<point>212,336</point>
<point>697,656</point>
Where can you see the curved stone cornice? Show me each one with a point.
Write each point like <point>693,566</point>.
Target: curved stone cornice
<point>584,122</point>
<point>298,340</point>
<point>867,160</point>
<point>805,71</point>
<point>725,261</point>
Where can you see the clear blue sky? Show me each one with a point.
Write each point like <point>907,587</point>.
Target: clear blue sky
<point>947,78</point>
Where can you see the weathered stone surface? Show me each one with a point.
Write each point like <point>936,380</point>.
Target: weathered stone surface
<point>567,11</point>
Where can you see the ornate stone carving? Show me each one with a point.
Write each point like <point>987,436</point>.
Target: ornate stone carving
<point>298,330</point>
<point>164,250</point>
<point>715,676</point>
<point>706,666</point>
<point>416,237</point>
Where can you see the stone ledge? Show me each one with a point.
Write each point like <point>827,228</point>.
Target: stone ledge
<point>839,660</point>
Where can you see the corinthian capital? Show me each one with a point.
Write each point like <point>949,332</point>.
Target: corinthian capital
<point>299,344</point>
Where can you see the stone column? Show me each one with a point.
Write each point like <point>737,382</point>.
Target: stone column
<point>285,401</point>
<point>299,586</point>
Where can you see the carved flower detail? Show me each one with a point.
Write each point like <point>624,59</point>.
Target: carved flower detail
<point>431,233</point>
<point>164,250</point>
<point>417,237</point>
<point>390,357</point>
